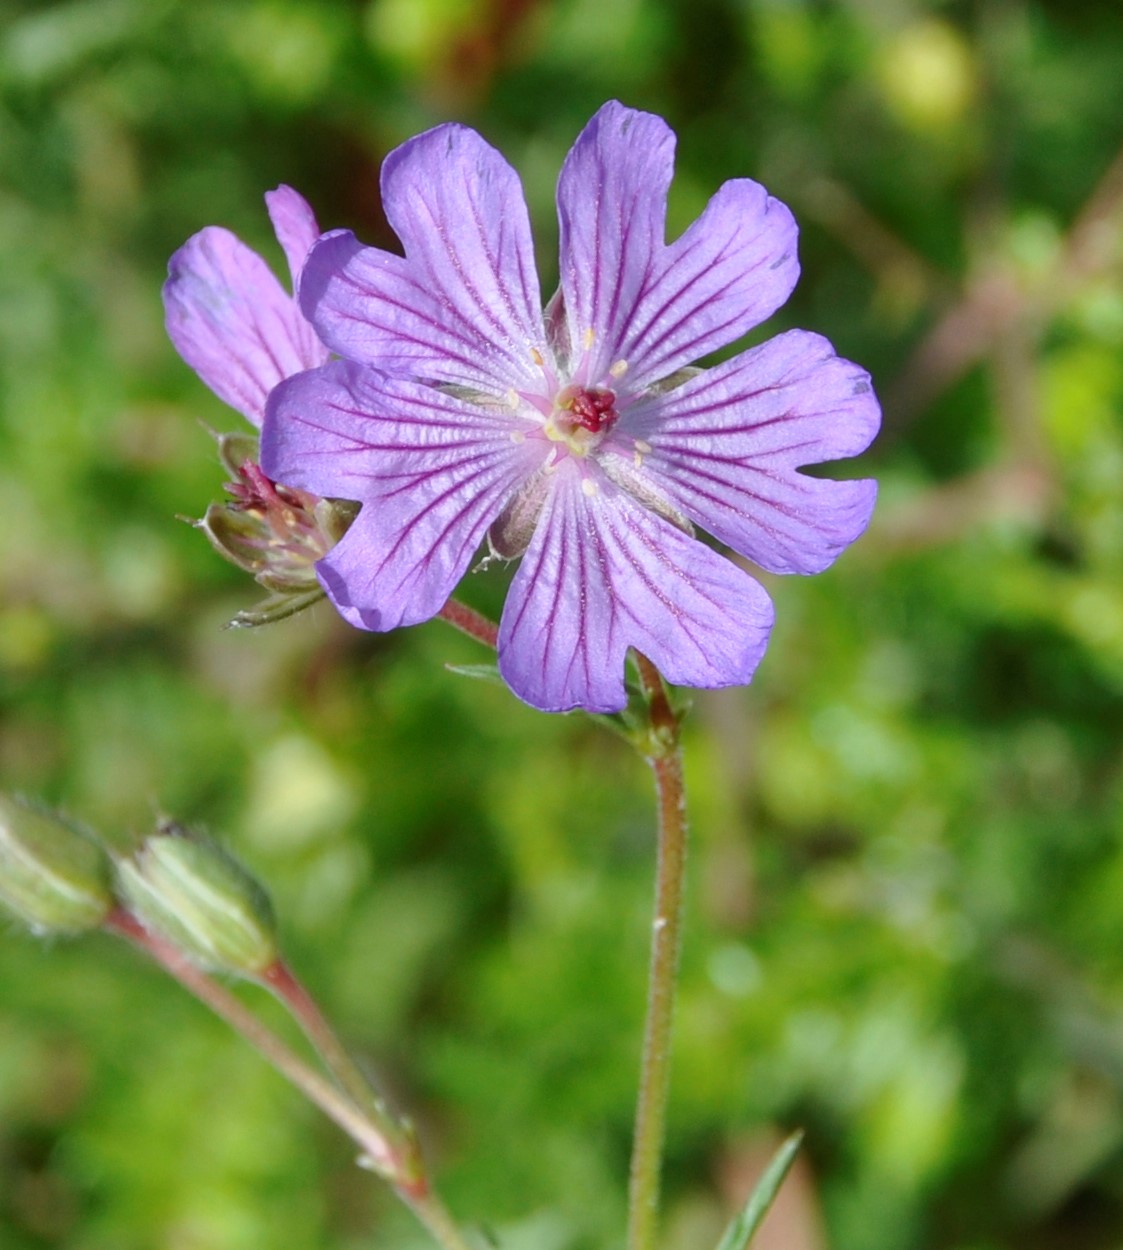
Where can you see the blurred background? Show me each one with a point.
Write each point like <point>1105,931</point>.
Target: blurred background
<point>906,895</point>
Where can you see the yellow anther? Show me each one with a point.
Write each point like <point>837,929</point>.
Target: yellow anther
<point>619,369</point>
<point>536,356</point>
<point>642,447</point>
<point>589,338</point>
<point>588,486</point>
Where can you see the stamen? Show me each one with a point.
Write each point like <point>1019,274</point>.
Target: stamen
<point>536,356</point>
<point>619,369</point>
<point>517,436</point>
<point>588,486</point>
<point>588,339</point>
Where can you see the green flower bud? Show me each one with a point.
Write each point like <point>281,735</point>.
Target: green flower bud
<point>190,892</point>
<point>52,876</point>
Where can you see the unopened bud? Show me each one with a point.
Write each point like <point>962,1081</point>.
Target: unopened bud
<point>275,532</point>
<point>190,892</point>
<point>52,876</point>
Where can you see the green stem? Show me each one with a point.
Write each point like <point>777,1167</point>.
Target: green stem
<point>433,1213</point>
<point>405,1174</point>
<point>664,754</point>
<point>305,1011</point>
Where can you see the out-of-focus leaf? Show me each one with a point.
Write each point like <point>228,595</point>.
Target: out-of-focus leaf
<point>742,1230</point>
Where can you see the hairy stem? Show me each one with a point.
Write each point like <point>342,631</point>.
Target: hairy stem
<point>470,622</point>
<point>664,754</point>
<point>404,1172</point>
<point>306,1012</point>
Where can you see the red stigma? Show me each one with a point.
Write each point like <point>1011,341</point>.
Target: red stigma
<point>592,409</point>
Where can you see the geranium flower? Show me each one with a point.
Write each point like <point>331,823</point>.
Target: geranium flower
<point>242,333</point>
<point>577,438</point>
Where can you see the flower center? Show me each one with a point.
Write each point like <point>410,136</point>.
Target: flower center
<point>581,415</point>
<point>592,409</point>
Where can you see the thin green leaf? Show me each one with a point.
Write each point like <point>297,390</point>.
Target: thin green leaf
<point>278,607</point>
<point>744,1227</point>
<point>483,672</point>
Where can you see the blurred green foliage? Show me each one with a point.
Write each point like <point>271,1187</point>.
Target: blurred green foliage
<point>906,900</point>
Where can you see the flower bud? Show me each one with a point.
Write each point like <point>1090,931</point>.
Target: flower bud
<point>52,876</point>
<point>190,892</point>
<point>275,532</point>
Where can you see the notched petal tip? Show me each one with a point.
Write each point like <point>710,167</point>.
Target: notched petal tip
<point>729,448</point>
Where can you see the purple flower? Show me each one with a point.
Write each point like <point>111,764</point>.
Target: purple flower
<point>234,324</point>
<point>577,438</point>
<point>229,317</point>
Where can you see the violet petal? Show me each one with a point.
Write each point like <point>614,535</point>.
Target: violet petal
<point>295,226</point>
<point>631,296</point>
<point>603,574</point>
<point>430,471</point>
<point>232,322</point>
<point>463,306</point>
<point>727,447</point>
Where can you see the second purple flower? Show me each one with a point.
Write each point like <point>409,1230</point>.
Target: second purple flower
<point>578,438</point>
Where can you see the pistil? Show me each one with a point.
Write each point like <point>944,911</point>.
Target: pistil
<point>591,408</point>
<point>581,416</point>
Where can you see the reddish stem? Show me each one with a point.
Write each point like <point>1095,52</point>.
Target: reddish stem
<point>470,622</point>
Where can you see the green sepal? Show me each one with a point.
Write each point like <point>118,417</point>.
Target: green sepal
<point>739,1234</point>
<point>278,607</point>
<point>335,516</point>
<point>235,449</point>
<point>631,722</point>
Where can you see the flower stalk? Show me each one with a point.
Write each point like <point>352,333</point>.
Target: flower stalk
<point>664,754</point>
<point>658,741</point>
<point>304,1009</point>
<point>396,1159</point>
<point>460,616</point>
